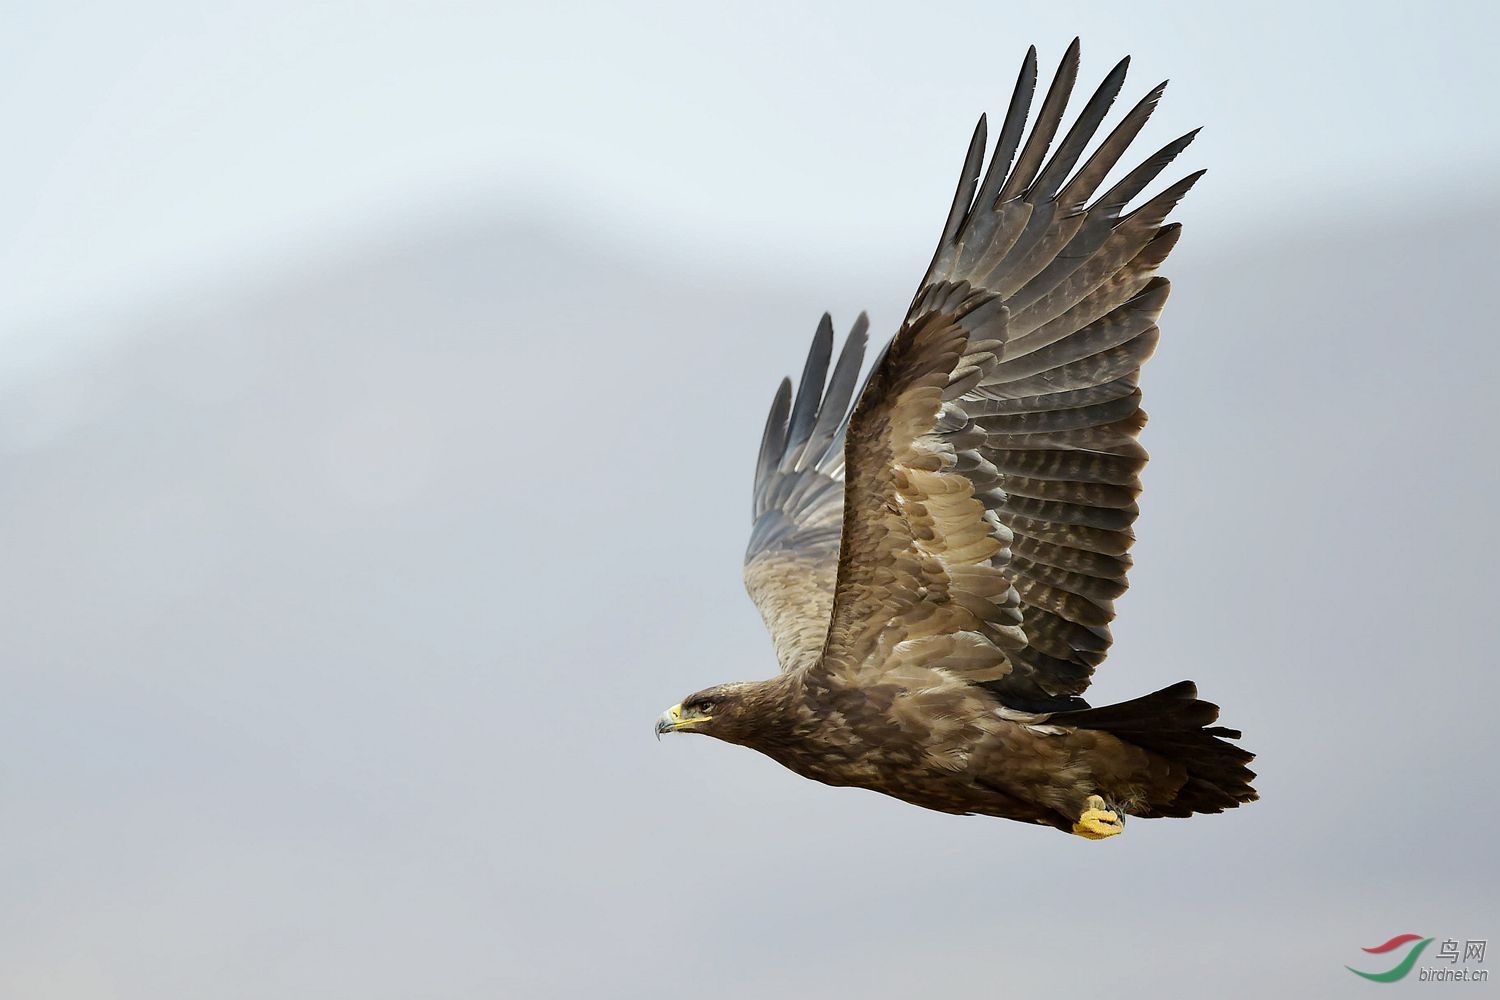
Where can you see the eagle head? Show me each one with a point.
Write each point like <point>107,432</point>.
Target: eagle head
<point>730,712</point>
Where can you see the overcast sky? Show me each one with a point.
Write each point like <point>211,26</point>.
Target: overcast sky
<point>152,147</point>
<point>380,391</point>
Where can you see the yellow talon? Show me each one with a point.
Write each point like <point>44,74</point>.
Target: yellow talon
<point>1097,821</point>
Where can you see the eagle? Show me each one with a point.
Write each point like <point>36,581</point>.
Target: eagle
<point>938,565</point>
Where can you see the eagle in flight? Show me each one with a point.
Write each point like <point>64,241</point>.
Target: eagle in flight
<point>938,566</point>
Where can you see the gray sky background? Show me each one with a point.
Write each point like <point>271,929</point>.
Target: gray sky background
<point>382,387</point>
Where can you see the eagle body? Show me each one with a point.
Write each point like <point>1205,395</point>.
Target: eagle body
<point>938,564</point>
<point>884,738</point>
<point>925,738</point>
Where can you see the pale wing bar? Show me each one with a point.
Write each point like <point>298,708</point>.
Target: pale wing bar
<point>921,579</point>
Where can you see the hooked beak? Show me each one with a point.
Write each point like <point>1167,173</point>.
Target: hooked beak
<point>673,719</point>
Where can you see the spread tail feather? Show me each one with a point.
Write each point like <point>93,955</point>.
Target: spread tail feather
<point>1173,724</point>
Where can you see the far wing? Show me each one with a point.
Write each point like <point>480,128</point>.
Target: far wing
<point>792,559</point>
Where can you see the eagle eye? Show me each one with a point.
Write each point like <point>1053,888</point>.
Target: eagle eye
<point>705,706</point>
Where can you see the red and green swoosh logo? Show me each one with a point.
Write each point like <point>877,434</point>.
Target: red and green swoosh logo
<point>1402,967</point>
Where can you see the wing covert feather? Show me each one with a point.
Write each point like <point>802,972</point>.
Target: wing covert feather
<point>920,567</point>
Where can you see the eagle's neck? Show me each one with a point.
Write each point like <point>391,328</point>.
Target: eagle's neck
<point>802,727</point>
<point>773,715</point>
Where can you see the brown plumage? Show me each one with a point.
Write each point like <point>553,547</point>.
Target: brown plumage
<point>938,567</point>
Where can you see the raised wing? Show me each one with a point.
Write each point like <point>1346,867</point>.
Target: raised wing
<point>1003,549</point>
<point>791,562</point>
